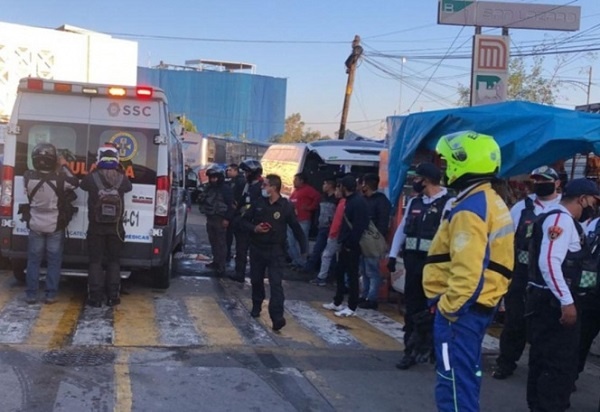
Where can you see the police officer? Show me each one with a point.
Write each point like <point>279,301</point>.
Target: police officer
<point>267,220</point>
<point>251,192</point>
<point>412,238</point>
<point>468,267</point>
<point>514,335</point>
<point>589,293</point>
<point>556,255</point>
<point>216,202</point>
<point>237,181</point>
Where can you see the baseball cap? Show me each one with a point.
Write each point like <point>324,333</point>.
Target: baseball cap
<point>429,171</point>
<point>581,187</point>
<point>545,172</point>
<point>349,183</point>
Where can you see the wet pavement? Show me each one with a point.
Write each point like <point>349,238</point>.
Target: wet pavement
<point>194,347</point>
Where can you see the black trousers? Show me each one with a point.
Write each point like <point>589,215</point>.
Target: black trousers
<point>514,332</point>
<point>242,244</point>
<point>552,356</point>
<point>229,240</point>
<point>590,327</point>
<point>217,235</point>
<point>414,295</point>
<point>347,265</point>
<point>104,250</point>
<point>269,260</point>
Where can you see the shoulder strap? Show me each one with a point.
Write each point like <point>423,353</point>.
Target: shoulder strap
<point>347,221</point>
<point>44,179</point>
<point>99,182</point>
<point>529,203</point>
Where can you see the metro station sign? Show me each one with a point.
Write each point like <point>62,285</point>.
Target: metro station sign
<point>509,15</point>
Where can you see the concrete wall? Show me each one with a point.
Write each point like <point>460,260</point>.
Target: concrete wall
<point>70,54</point>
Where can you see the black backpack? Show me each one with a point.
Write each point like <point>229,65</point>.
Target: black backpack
<point>109,207</point>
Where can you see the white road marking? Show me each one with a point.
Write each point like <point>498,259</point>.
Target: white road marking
<point>383,323</point>
<point>319,324</point>
<point>16,320</point>
<point>175,326</point>
<point>95,327</point>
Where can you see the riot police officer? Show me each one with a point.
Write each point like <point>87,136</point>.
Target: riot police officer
<point>513,338</point>
<point>216,202</point>
<point>414,234</point>
<point>267,220</point>
<point>251,192</point>
<point>556,255</point>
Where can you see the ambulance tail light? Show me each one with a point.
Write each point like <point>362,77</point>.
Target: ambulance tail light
<point>144,92</point>
<point>6,196</point>
<point>35,84</point>
<point>161,206</point>
<point>117,91</point>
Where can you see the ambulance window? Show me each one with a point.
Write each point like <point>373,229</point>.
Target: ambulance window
<point>137,151</point>
<point>63,138</point>
<point>176,160</point>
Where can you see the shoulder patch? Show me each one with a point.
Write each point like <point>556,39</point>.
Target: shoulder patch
<point>554,232</point>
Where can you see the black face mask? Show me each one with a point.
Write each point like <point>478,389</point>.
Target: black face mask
<point>544,189</point>
<point>418,186</point>
<point>587,212</point>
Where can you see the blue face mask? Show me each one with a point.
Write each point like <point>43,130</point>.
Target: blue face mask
<point>264,193</point>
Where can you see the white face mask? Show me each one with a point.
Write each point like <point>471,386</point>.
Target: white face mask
<point>264,193</point>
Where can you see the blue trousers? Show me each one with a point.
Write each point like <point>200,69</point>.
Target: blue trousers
<point>458,357</point>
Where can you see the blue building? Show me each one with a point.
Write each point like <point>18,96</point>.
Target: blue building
<point>223,103</point>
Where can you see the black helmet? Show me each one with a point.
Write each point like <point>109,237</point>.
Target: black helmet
<point>252,168</point>
<point>44,157</point>
<point>215,170</point>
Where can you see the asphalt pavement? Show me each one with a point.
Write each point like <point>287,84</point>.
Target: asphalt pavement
<point>194,347</point>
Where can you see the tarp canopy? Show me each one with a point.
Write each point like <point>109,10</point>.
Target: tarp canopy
<point>529,135</point>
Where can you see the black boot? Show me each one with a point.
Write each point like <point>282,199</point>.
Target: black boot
<point>406,362</point>
<point>256,308</point>
<point>278,324</point>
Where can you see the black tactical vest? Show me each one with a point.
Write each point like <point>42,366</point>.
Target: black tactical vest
<point>422,222</point>
<point>571,266</point>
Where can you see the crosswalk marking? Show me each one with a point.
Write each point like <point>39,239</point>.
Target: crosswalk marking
<point>175,326</point>
<point>149,318</point>
<point>55,323</point>
<point>367,335</point>
<point>16,320</point>
<point>293,334</point>
<point>327,330</point>
<point>135,321</point>
<point>209,318</point>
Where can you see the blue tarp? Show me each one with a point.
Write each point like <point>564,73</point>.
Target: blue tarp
<point>529,135</point>
<point>223,103</point>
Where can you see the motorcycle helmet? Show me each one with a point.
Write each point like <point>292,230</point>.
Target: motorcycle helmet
<point>252,168</point>
<point>44,157</point>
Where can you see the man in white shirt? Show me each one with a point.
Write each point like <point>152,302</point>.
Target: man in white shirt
<point>422,217</point>
<point>557,254</point>
<point>524,213</point>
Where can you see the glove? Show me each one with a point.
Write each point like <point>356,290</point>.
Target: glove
<point>391,264</point>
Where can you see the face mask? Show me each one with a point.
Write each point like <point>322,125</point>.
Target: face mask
<point>587,212</point>
<point>543,189</point>
<point>264,193</point>
<point>418,186</point>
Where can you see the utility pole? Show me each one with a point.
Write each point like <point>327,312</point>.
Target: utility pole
<point>589,85</point>
<point>350,69</point>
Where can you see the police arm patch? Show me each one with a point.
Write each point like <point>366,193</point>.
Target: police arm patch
<point>554,232</point>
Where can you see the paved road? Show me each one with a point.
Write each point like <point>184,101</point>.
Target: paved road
<point>195,348</point>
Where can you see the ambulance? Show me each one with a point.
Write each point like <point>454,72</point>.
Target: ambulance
<point>77,118</point>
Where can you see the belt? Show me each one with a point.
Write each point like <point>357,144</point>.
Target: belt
<point>493,266</point>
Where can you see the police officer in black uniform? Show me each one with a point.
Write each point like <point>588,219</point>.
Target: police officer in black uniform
<point>216,202</point>
<point>267,220</point>
<point>251,192</point>
<point>557,252</point>
<point>413,236</point>
<point>524,213</point>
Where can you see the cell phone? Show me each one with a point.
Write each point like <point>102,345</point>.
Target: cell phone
<point>266,224</point>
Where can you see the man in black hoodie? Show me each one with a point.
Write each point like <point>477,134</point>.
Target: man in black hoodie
<point>378,207</point>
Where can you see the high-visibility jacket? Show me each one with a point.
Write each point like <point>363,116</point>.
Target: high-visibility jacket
<point>472,255</point>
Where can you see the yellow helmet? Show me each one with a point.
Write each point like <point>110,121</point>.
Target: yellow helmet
<point>469,154</point>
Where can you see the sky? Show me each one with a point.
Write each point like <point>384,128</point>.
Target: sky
<point>307,42</point>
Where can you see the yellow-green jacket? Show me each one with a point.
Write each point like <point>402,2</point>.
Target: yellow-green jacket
<point>471,257</point>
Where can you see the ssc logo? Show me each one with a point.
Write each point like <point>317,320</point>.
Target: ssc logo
<point>113,109</point>
<point>127,144</point>
<point>276,215</point>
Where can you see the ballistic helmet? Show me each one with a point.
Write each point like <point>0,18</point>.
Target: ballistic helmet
<point>44,157</point>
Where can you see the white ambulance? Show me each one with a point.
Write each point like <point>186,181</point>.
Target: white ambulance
<point>77,118</point>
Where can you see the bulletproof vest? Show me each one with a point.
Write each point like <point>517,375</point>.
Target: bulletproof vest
<point>213,203</point>
<point>422,222</point>
<point>524,232</point>
<point>572,266</point>
<point>589,277</point>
